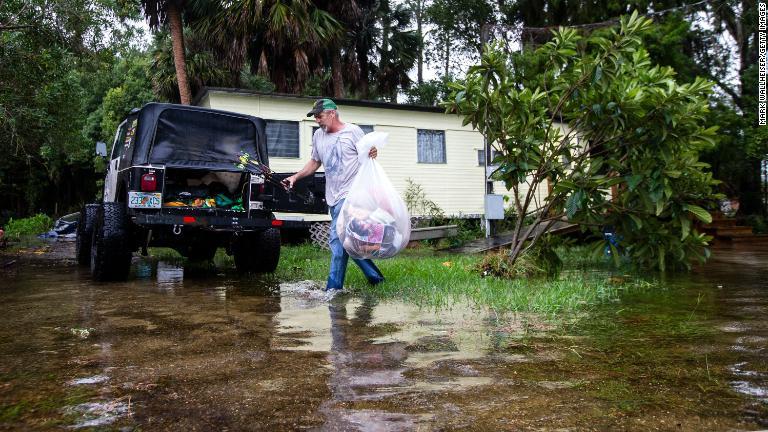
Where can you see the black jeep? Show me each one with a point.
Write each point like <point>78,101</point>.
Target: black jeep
<point>173,181</point>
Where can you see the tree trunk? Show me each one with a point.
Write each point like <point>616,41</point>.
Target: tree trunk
<point>447,54</point>
<point>363,62</point>
<point>179,61</point>
<point>419,32</point>
<point>336,76</point>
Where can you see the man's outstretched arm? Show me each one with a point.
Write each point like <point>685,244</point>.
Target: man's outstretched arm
<point>307,170</point>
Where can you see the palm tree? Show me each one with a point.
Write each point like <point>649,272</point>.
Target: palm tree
<point>419,9</point>
<point>169,12</point>
<point>343,61</point>
<point>363,44</point>
<point>201,65</point>
<point>353,42</point>
<point>398,50</point>
<point>285,40</point>
<point>379,49</point>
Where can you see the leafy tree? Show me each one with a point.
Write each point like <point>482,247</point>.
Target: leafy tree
<point>45,49</point>
<point>134,91</point>
<point>629,126</point>
<point>429,92</point>
<point>746,143</point>
<point>716,40</point>
<point>460,29</point>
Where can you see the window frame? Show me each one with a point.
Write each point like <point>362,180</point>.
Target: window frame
<point>295,148</point>
<point>419,144</point>
<point>494,153</point>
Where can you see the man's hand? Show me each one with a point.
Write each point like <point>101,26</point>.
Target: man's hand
<point>373,153</point>
<point>309,169</point>
<point>288,182</point>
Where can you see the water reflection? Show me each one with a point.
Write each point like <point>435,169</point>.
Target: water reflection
<point>143,269</point>
<point>163,276</point>
<point>374,347</point>
<point>361,370</point>
<point>169,276</point>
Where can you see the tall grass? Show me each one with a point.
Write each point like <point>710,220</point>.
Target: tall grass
<point>18,228</point>
<point>437,279</point>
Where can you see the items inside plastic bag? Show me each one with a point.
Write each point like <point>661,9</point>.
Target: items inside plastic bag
<point>374,220</point>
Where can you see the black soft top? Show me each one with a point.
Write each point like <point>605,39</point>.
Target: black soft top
<point>195,137</point>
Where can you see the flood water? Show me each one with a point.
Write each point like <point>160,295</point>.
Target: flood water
<point>170,350</point>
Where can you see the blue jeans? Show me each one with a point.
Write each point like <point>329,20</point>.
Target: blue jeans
<point>339,258</point>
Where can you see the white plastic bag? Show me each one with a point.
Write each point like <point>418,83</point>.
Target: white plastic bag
<point>374,221</point>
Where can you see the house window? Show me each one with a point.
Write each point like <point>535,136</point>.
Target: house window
<point>430,146</point>
<point>282,138</point>
<point>481,156</point>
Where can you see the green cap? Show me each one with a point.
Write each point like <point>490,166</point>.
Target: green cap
<point>320,106</point>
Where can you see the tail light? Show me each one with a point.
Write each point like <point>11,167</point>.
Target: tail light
<point>149,182</point>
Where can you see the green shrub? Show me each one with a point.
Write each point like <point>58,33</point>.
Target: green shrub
<point>34,225</point>
<point>469,229</point>
<point>421,207</point>
<point>539,260</point>
<point>758,223</point>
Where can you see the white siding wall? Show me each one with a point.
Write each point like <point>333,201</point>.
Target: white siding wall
<point>456,186</point>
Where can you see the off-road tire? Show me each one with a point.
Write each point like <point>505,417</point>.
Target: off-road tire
<point>110,249</point>
<point>85,233</point>
<point>257,252</point>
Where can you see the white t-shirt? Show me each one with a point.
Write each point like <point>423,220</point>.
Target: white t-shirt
<point>337,152</point>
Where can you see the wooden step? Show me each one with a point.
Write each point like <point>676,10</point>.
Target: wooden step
<point>723,222</point>
<point>734,231</point>
<point>434,232</point>
<point>753,239</point>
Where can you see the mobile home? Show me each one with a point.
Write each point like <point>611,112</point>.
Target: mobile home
<point>425,145</point>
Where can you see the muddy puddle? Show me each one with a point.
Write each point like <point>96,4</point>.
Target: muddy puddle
<point>174,350</point>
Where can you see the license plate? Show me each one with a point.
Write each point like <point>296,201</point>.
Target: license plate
<point>145,200</point>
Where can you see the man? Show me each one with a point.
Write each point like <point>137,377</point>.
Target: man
<point>334,146</point>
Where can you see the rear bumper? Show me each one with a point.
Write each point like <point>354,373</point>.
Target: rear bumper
<point>215,222</point>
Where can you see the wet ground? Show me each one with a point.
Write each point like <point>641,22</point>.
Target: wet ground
<point>170,350</point>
